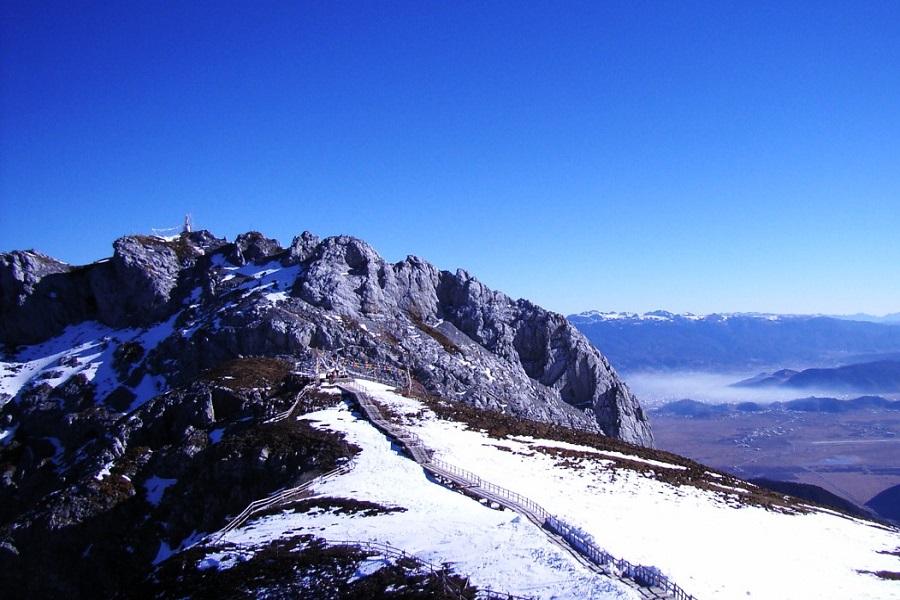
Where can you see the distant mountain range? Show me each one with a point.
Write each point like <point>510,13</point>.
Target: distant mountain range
<point>662,340</point>
<point>891,318</point>
<point>701,410</point>
<point>874,377</point>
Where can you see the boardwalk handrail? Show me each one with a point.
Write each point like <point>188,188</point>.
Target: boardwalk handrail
<point>280,497</point>
<point>643,575</point>
<point>648,576</point>
<point>284,415</point>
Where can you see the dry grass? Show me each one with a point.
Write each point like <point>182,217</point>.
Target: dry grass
<point>334,505</point>
<point>248,373</point>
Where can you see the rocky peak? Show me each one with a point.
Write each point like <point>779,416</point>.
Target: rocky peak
<point>134,287</point>
<point>253,246</point>
<point>459,337</point>
<point>302,248</point>
<point>20,272</point>
<point>138,412</point>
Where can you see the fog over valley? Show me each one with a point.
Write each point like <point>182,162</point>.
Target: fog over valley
<point>656,388</point>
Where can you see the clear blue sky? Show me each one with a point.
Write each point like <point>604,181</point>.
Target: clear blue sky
<point>697,157</point>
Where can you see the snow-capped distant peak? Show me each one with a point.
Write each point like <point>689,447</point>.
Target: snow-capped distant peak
<point>664,315</point>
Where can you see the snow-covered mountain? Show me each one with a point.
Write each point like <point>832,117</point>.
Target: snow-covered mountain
<point>713,535</point>
<point>135,391</point>
<point>167,433</point>
<point>729,342</point>
<point>592,316</point>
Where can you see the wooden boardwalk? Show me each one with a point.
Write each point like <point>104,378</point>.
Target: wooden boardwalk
<point>648,583</point>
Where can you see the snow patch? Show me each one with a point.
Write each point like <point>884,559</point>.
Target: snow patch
<point>368,567</point>
<point>156,487</point>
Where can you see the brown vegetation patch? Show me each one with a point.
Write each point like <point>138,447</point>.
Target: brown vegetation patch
<point>246,373</point>
<point>314,400</point>
<point>289,437</point>
<point>334,505</point>
<point>567,458</point>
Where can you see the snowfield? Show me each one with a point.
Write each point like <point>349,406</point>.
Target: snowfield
<point>696,537</point>
<point>495,549</point>
<point>86,349</point>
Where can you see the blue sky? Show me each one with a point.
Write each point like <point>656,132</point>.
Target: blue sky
<point>691,156</point>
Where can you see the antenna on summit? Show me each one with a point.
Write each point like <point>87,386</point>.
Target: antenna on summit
<point>188,223</point>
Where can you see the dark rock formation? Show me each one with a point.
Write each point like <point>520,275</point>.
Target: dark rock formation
<point>252,246</point>
<point>39,295</point>
<point>145,421</point>
<point>459,338</point>
<point>135,286</point>
<point>89,497</point>
<point>36,300</point>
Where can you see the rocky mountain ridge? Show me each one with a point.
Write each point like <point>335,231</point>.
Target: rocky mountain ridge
<point>252,297</point>
<point>135,392</point>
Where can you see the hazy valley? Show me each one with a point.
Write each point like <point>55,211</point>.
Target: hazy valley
<point>718,391</point>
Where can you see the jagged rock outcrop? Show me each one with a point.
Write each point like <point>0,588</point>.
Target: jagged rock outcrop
<point>143,383</point>
<point>135,286</point>
<point>252,246</point>
<point>459,338</point>
<point>40,295</point>
<point>35,300</point>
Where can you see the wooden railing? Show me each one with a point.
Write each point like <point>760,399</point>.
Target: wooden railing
<point>645,576</point>
<point>284,415</point>
<point>278,498</point>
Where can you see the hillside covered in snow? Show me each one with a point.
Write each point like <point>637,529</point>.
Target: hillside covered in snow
<point>166,432</point>
<point>715,536</point>
<point>137,392</point>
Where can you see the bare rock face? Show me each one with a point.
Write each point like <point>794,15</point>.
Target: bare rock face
<point>21,271</point>
<point>149,417</point>
<point>135,286</point>
<point>38,295</point>
<point>252,246</point>
<point>302,247</point>
<point>459,338</point>
<point>547,367</point>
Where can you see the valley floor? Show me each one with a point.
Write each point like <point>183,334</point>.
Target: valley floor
<point>855,454</point>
